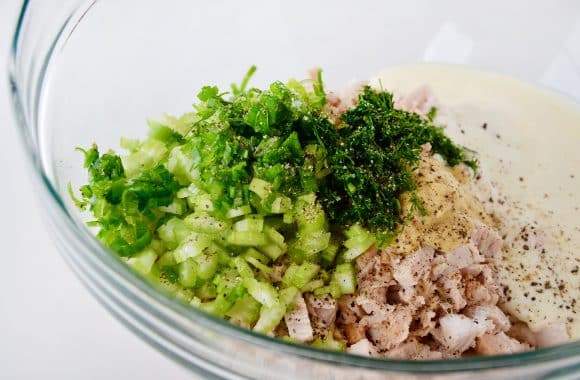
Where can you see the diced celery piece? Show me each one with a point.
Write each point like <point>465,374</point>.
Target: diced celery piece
<point>192,247</point>
<point>263,292</point>
<point>206,292</point>
<point>359,240</point>
<point>309,215</point>
<point>204,223</point>
<point>201,202</point>
<point>245,310</point>
<point>281,204</point>
<point>180,125</point>
<point>260,187</point>
<point>143,261</point>
<point>150,153</point>
<point>190,191</point>
<point>329,343</point>
<point>266,270</point>
<point>166,259</point>
<point>207,265</point>
<point>229,290</point>
<point>328,255</point>
<point>209,307</point>
<point>247,238</point>
<point>158,246</point>
<point>331,289</point>
<point>173,232</point>
<point>243,268</point>
<point>288,217</point>
<point>161,282</point>
<point>312,286</point>
<point>299,275</point>
<point>306,246</point>
<point>185,295</point>
<point>344,277</point>
<point>252,252</point>
<point>275,237</point>
<point>187,272</point>
<point>272,250</point>
<point>287,296</point>
<point>270,317</point>
<point>181,165</point>
<point>195,302</point>
<point>250,223</point>
<point>129,144</point>
<point>177,207</point>
<point>239,211</point>
<point>355,230</point>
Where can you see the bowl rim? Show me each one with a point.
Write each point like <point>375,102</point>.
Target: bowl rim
<point>110,262</point>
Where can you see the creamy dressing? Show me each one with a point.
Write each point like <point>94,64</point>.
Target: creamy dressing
<point>527,144</point>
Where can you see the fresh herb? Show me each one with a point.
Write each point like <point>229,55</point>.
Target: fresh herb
<point>126,210</point>
<point>373,155</point>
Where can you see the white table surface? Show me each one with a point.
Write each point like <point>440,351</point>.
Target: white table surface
<point>50,326</point>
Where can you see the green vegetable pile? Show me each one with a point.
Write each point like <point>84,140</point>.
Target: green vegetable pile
<point>257,195</point>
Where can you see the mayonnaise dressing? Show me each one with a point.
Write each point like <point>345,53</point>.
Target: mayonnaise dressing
<point>527,141</point>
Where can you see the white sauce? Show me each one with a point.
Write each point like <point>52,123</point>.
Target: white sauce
<point>529,150</point>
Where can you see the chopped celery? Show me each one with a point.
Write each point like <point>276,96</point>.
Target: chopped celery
<point>149,153</point>
<point>312,286</point>
<point>250,223</point>
<point>166,259</point>
<point>204,223</point>
<point>181,166</point>
<point>201,202</point>
<point>187,272</point>
<point>329,343</point>
<point>129,144</point>
<point>243,268</point>
<point>328,255</point>
<point>255,254</point>
<point>260,187</point>
<point>307,246</point>
<point>173,232</point>
<point>239,211</point>
<point>270,317</point>
<point>275,237</point>
<point>207,265</point>
<point>177,207</point>
<point>272,250</point>
<point>262,292</point>
<point>245,310</point>
<point>184,295</point>
<point>143,261</point>
<point>280,205</point>
<point>246,238</point>
<point>299,275</point>
<point>344,277</point>
<point>158,246</point>
<point>206,292</point>
<point>287,296</point>
<point>266,270</point>
<point>359,240</point>
<point>331,289</point>
<point>192,247</point>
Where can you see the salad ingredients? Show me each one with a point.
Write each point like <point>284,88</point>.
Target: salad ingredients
<point>347,223</point>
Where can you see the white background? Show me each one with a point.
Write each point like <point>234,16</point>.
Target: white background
<point>50,326</point>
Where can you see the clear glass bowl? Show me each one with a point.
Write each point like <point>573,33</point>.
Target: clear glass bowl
<point>91,71</point>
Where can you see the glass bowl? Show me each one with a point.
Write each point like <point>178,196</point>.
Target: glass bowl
<point>91,71</point>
